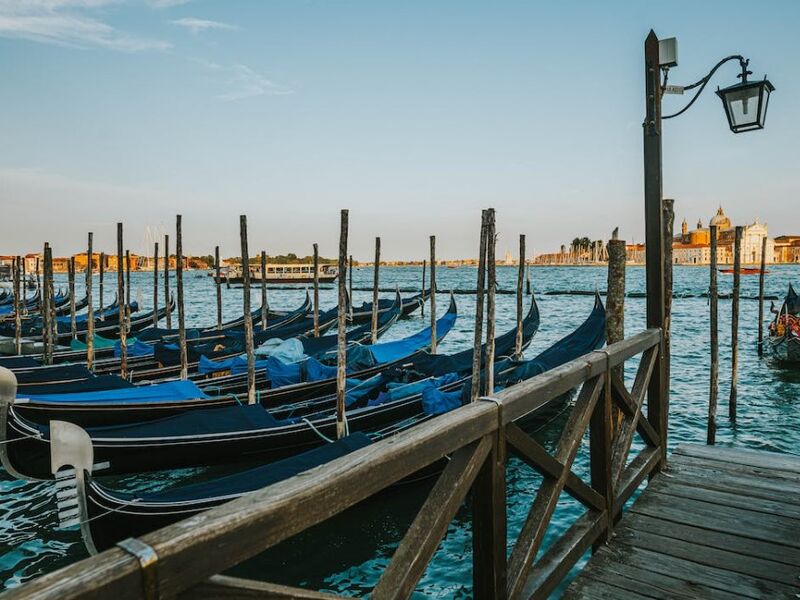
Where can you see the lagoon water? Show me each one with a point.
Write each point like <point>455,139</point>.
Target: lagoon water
<point>348,554</point>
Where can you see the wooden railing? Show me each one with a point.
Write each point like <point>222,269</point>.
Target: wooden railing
<point>186,558</point>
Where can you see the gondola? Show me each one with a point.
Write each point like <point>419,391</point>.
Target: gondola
<point>363,313</point>
<point>107,516</point>
<point>234,433</point>
<point>95,407</point>
<point>783,341</point>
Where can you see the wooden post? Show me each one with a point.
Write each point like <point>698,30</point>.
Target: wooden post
<point>102,267</point>
<point>248,318</point>
<point>19,301</point>
<point>528,280</point>
<point>615,298</point>
<point>24,289</point>
<point>375,285</point>
<point>520,279</point>
<point>434,334</point>
<point>123,341</point>
<point>127,290</point>
<point>668,218</point>
<point>89,306</point>
<point>657,407</point>
<point>350,295</point>
<point>181,306</point>
<point>167,299</point>
<point>737,265</point>
<point>264,305</point>
<point>218,268</point>
<point>491,266</point>
<point>711,429</point>
<point>44,309</point>
<point>51,303</point>
<point>73,325</point>
<point>478,340</point>
<point>761,276</point>
<point>155,285</point>
<point>316,290</point>
<point>341,355</point>
<point>422,306</point>
<point>39,282</point>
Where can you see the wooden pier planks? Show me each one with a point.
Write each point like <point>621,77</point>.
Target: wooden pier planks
<point>718,523</point>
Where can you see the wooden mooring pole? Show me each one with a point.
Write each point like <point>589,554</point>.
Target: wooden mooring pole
<point>341,355</point>
<point>167,299</point>
<point>350,292</point>
<point>761,276</point>
<point>737,265</point>
<point>89,306</point>
<point>491,266</point>
<point>102,268</point>
<point>615,287</point>
<point>434,334</point>
<point>668,218</point>
<point>478,338</point>
<point>264,303</point>
<point>316,290</point>
<point>73,325</point>
<point>155,285</point>
<point>123,341</point>
<point>375,286</point>
<point>44,310</point>
<point>181,306</point>
<point>713,302</point>
<point>19,291</point>
<point>422,306</point>
<point>127,290</point>
<point>520,281</point>
<point>39,282</point>
<point>218,283</point>
<point>248,318</point>
<point>51,303</point>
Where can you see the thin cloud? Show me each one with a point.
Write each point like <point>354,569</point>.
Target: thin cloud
<point>167,3</point>
<point>65,23</point>
<point>242,81</point>
<point>200,25</point>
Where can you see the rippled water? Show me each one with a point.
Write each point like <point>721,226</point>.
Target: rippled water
<point>348,554</point>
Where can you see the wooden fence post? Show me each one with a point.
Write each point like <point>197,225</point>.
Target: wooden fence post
<point>737,266</point>
<point>123,340</point>
<point>316,290</point>
<point>375,285</point>
<point>218,281</point>
<point>181,307</point>
<point>491,266</point>
<point>711,429</point>
<point>167,299</point>
<point>248,318</point>
<point>477,355</point>
<point>155,285</point>
<point>264,304</point>
<point>520,280</point>
<point>434,334</point>
<point>89,306</point>
<point>761,275</point>
<point>341,355</point>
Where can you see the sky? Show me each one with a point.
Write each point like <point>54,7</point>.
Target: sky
<point>414,115</point>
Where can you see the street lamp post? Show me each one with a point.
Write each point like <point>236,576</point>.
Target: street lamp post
<point>745,105</point>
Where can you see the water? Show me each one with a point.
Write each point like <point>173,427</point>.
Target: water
<point>348,554</point>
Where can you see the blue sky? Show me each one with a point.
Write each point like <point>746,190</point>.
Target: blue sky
<point>414,115</point>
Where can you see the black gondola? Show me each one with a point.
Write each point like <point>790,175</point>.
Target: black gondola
<point>783,341</point>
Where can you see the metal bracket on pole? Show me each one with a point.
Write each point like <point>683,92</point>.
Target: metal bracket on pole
<point>148,559</point>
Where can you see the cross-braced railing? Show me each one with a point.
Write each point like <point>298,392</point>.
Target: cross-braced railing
<point>476,439</point>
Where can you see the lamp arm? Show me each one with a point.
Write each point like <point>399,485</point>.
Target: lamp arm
<point>703,82</point>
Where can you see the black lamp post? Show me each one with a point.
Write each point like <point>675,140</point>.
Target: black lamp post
<point>745,106</point>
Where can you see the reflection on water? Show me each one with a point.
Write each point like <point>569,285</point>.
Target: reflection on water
<point>348,553</point>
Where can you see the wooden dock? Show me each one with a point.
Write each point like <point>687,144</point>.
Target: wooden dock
<point>717,523</point>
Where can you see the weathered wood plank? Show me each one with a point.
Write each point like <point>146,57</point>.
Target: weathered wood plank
<point>416,549</point>
<point>759,475</point>
<point>634,474</point>
<point>770,528</point>
<point>226,588</point>
<point>715,539</point>
<point>753,458</point>
<point>624,400</point>
<point>700,554</point>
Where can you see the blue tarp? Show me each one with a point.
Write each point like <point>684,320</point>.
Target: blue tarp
<point>437,402</point>
<point>385,352</point>
<point>135,348</point>
<point>170,390</point>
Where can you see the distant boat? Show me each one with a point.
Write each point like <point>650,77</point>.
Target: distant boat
<point>744,271</point>
<point>280,274</point>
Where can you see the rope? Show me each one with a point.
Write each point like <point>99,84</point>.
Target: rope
<point>318,432</point>
<point>38,436</point>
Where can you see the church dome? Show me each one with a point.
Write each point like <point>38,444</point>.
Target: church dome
<point>720,220</point>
